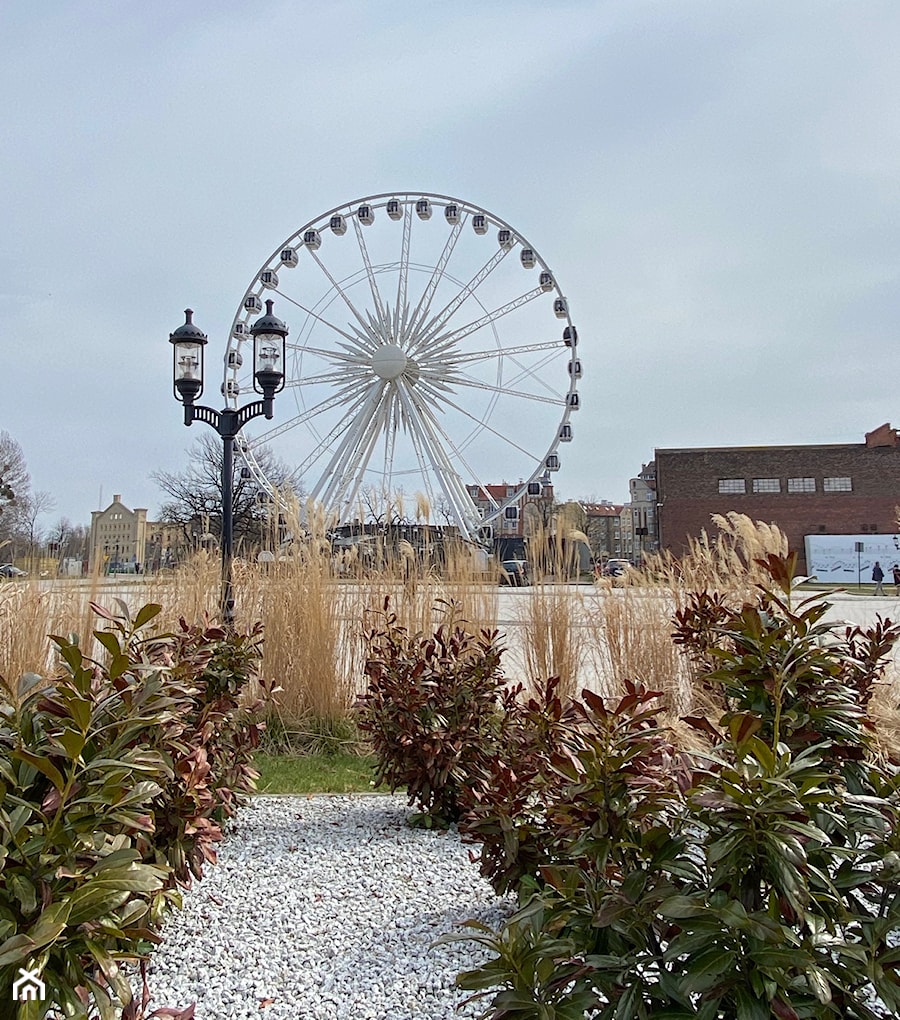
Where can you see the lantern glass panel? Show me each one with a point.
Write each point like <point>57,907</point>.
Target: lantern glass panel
<point>268,358</point>
<point>188,362</point>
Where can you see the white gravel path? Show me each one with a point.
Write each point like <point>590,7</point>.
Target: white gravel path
<point>326,908</point>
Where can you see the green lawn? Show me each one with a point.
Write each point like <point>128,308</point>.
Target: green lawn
<point>315,773</point>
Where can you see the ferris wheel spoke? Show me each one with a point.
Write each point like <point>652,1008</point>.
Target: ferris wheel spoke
<point>449,340</point>
<point>462,507</point>
<point>364,251</point>
<point>317,317</point>
<point>402,307</point>
<point>426,414</point>
<point>350,481</point>
<point>351,494</point>
<point>327,404</point>
<point>437,322</point>
<point>340,381</point>
<point>397,414</point>
<point>424,473</point>
<point>451,360</point>
<point>340,290</point>
<point>332,479</point>
<point>534,373</point>
<point>338,431</point>
<point>325,377</point>
<point>347,355</point>
<point>484,425</point>
<point>464,380</point>
<point>390,441</point>
<point>438,432</point>
<point>424,304</point>
<point>531,372</point>
<point>324,445</point>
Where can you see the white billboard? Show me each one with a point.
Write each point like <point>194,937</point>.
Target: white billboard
<point>848,559</point>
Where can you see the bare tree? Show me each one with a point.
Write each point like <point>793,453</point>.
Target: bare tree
<point>195,494</point>
<point>67,541</point>
<point>34,506</point>
<point>15,486</point>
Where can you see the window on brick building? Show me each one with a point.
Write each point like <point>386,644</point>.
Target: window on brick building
<point>730,485</point>
<point>837,485</point>
<point>767,485</point>
<point>801,485</point>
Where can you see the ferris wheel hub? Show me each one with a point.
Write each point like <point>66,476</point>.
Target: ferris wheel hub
<point>388,362</point>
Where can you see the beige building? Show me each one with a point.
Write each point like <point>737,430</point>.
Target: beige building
<point>644,526</point>
<point>118,537</point>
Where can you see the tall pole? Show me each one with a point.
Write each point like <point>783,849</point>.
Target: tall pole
<point>227,529</point>
<point>188,342</point>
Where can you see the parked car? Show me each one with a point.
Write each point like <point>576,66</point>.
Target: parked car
<point>514,573</point>
<point>616,568</point>
<point>8,570</point>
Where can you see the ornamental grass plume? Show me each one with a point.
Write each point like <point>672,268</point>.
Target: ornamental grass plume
<point>727,562</point>
<point>553,635</point>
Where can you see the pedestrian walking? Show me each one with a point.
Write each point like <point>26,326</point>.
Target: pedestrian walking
<point>895,570</point>
<point>878,577</point>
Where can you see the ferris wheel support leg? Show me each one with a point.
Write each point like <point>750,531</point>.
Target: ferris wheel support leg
<point>331,481</point>
<point>443,470</point>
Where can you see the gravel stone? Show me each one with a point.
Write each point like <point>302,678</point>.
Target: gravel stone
<point>326,908</point>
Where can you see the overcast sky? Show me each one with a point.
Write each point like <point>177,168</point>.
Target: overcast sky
<point>715,184</point>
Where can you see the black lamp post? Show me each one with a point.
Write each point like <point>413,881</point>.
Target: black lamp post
<point>188,341</point>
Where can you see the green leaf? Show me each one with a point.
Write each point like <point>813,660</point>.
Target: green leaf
<point>117,859</point>
<point>110,967</point>
<point>819,983</point>
<point>42,764</point>
<point>16,950</point>
<point>27,683</point>
<point>749,1007</point>
<point>706,968</point>
<point>109,641</point>
<point>743,726</point>
<point>626,1008</point>
<point>145,614</point>
<point>51,924</point>
<point>81,710</point>
<point>680,906</point>
<point>73,742</point>
<point>24,892</point>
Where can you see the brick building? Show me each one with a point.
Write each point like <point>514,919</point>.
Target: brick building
<point>838,489</point>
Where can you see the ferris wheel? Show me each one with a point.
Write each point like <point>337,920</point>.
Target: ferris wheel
<point>431,357</point>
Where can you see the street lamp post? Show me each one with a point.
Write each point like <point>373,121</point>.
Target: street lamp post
<point>188,341</point>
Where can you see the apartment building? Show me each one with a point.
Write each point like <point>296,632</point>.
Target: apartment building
<point>526,516</point>
<point>603,527</point>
